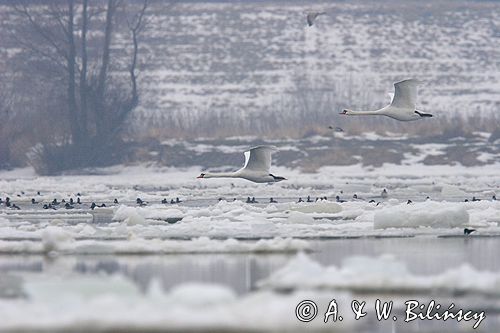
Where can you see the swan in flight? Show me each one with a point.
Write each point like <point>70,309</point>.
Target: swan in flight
<point>256,168</point>
<point>403,104</point>
<point>311,16</point>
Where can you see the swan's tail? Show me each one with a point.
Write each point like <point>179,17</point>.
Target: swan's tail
<point>421,114</point>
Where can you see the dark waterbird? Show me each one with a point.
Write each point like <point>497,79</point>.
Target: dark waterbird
<point>337,198</point>
<point>468,231</point>
<point>337,129</point>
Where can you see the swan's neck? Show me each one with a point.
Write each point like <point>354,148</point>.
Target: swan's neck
<point>363,113</point>
<point>221,175</point>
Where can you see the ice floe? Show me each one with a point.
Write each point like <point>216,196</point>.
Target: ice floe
<point>113,302</point>
<point>57,241</point>
<point>379,274</point>
<point>424,214</point>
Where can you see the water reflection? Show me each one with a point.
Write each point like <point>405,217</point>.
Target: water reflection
<point>422,255</point>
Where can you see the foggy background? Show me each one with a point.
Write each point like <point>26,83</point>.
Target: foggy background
<point>170,82</point>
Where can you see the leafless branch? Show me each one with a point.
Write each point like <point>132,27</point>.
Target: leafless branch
<point>44,33</point>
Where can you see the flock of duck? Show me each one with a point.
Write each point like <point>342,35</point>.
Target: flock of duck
<point>72,204</point>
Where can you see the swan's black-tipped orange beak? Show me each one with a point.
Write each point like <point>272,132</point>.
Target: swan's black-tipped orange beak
<point>343,112</point>
<point>201,176</point>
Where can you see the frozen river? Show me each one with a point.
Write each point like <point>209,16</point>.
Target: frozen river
<point>245,267</point>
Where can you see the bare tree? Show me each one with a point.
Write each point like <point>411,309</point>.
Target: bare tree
<point>97,102</point>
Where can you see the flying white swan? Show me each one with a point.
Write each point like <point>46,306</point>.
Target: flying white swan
<point>311,16</point>
<point>403,104</point>
<point>256,168</point>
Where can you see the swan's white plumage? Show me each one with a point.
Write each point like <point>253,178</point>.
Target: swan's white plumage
<point>256,168</point>
<point>405,94</point>
<point>259,158</point>
<point>391,96</point>
<point>403,104</point>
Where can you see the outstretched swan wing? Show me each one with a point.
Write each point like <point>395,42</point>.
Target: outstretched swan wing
<point>391,95</point>
<point>259,158</point>
<point>405,94</point>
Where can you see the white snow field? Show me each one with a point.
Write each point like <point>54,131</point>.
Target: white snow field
<point>213,262</point>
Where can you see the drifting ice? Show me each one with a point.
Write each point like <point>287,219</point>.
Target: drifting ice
<point>425,214</point>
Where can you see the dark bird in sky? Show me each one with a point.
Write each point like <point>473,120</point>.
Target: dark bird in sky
<point>311,17</point>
